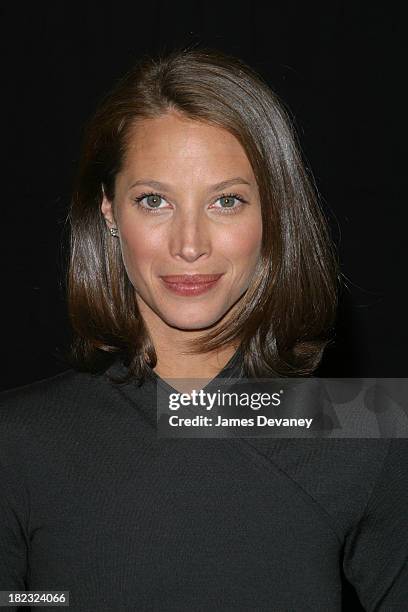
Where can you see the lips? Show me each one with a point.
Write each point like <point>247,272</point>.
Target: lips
<point>191,279</point>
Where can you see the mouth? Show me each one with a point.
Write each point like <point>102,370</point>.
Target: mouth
<point>190,284</point>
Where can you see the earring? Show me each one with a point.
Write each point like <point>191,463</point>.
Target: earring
<point>114,231</point>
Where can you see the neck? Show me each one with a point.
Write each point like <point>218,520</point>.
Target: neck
<point>173,363</point>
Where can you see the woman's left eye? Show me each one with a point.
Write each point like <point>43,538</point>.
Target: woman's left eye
<point>228,205</point>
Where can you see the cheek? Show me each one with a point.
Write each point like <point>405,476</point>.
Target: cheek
<point>137,251</point>
<point>244,243</point>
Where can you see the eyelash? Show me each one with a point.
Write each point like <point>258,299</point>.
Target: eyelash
<point>228,211</point>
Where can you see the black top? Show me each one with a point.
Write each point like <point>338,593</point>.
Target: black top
<point>94,503</point>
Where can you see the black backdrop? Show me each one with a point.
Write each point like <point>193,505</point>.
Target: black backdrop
<point>336,65</point>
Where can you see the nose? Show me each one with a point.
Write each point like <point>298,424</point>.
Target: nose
<point>190,235</point>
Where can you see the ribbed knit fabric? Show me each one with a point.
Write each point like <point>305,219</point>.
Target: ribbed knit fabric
<point>93,502</point>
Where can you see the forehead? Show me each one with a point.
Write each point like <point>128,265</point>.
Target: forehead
<point>170,140</point>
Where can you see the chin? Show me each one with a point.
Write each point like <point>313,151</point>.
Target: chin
<point>192,321</point>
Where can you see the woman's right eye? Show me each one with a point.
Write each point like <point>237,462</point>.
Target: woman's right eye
<point>152,200</point>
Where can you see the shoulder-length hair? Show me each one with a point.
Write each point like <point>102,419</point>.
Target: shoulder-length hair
<point>283,322</point>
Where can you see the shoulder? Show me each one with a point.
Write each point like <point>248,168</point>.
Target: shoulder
<point>44,384</point>
<point>51,406</point>
<point>53,416</point>
<point>63,388</point>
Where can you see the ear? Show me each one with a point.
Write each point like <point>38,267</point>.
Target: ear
<point>107,211</point>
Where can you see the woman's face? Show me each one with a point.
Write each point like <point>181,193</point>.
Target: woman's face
<point>187,226</point>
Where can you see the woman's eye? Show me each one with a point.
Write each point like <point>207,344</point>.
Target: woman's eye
<point>228,203</point>
<point>153,202</point>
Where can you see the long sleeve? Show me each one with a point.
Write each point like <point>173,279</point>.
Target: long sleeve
<point>13,533</point>
<point>376,550</point>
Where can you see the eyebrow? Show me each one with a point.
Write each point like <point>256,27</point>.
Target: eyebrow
<point>223,185</point>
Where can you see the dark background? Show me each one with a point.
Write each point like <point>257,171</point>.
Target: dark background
<point>336,65</point>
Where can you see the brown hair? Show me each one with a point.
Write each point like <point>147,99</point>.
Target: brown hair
<point>283,320</point>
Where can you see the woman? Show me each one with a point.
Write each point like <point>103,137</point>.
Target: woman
<point>198,250</point>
